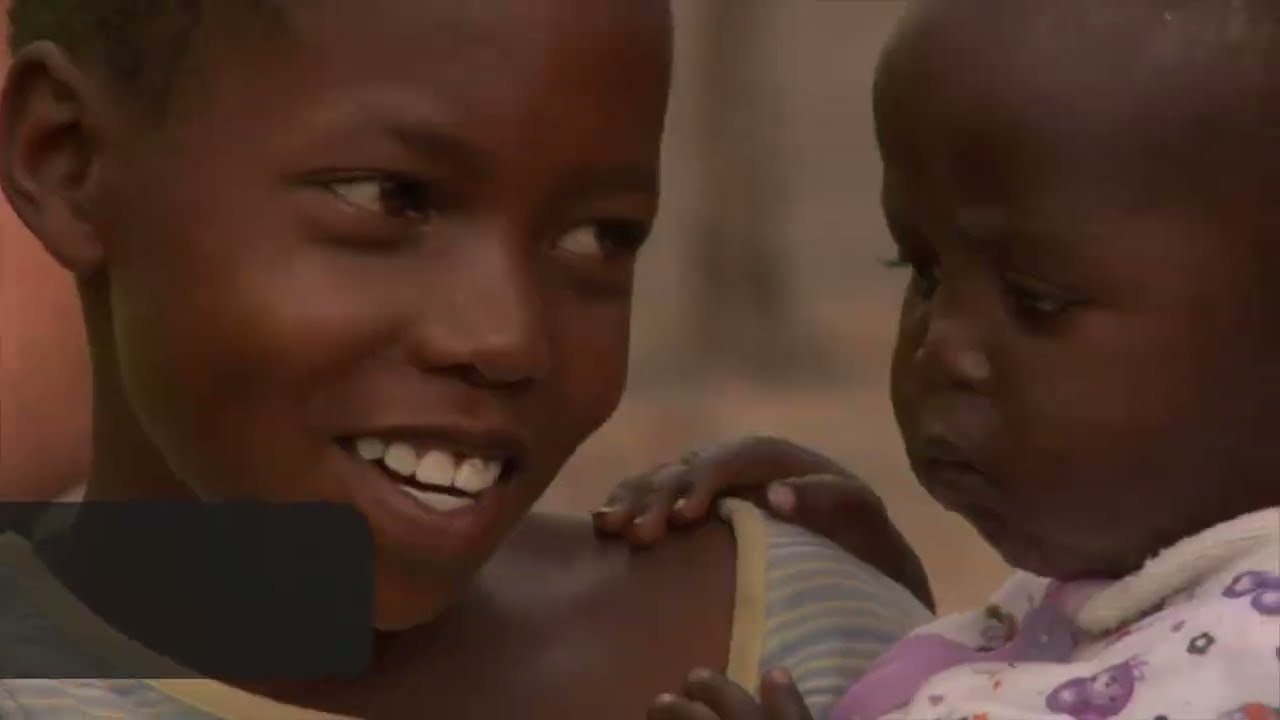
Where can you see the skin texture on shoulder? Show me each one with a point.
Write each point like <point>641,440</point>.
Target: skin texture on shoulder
<point>557,626</point>
<point>1087,361</point>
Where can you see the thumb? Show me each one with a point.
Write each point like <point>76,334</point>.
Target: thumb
<point>781,499</point>
<point>780,697</point>
<point>825,504</point>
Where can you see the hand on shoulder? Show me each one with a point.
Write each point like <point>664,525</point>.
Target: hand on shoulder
<point>796,484</point>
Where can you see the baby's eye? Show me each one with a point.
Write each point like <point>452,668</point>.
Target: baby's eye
<point>396,197</point>
<point>924,275</point>
<point>604,239</point>
<point>1036,305</point>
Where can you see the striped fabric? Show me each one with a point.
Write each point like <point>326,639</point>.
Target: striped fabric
<point>829,615</point>
<point>80,699</point>
<point>820,612</point>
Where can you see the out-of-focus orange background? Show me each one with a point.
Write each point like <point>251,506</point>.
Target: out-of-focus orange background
<point>44,381</point>
<point>761,306</point>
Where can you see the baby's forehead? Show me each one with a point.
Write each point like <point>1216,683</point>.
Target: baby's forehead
<point>1157,89</point>
<point>1195,40</point>
<point>1188,26</point>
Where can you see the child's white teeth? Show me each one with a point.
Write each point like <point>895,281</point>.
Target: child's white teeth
<point>437,501</point>
<point>371,448</point>
<point>401,459</point>
<point>474,475</point>
<point>436,468</point>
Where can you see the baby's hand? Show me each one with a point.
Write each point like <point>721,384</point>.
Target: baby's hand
<point>641,508</point>
<point>709,696</point>
<point>798,485</point>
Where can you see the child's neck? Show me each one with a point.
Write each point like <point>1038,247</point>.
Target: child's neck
<point>126,464</point>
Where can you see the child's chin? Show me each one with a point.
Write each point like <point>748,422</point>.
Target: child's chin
<point>394,623</point>
<point>397,608</point>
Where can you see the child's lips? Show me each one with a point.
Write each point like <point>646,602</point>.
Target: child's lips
<point>409,528</point>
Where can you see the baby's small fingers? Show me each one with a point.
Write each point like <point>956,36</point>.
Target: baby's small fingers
<point>650,525</point>
<point>781,698</point>
<point>702,485</point>
<point>612,519</point>
<point>729,700</point>
<point>609,519</point>
<point>625,503</point>
<point>674,707</point>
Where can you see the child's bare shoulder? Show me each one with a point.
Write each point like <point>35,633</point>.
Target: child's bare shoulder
<point>561,561</point>
<point>597,629</point>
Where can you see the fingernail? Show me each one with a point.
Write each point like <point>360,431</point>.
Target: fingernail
<point>782,498</point>
<point>699,675</point>
<point>680,504</point>
<point>603,510</point>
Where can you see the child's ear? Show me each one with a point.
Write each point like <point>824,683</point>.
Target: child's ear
<point>49,153</point>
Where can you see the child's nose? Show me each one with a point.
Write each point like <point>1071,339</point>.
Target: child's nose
<point>486,321</point>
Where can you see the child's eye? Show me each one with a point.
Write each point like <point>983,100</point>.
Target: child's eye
<point>604,239</point>
<point>396,197</point>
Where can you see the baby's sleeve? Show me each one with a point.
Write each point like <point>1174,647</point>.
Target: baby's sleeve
<point>806,605</point>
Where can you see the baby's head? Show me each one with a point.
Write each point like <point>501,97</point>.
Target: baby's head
<point>1088,363</point>
<point>307,231</point>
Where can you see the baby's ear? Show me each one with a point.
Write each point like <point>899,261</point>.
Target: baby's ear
<point>50,153</point>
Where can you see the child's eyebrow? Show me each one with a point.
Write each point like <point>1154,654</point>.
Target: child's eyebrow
<point>614,179</point>
<point>440,145</point>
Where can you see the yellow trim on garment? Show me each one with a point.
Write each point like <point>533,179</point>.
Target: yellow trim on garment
<point>746,644</point>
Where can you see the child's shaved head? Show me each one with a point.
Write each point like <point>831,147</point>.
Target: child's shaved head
<point>1088,366</point>
<point>139,44</point>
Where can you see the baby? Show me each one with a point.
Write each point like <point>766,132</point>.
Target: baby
<point>1088,360</point>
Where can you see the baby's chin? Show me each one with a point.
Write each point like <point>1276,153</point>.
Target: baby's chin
<point>1060,562</point>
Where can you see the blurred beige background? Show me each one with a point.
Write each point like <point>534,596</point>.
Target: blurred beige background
<point>762,306</point>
